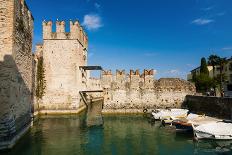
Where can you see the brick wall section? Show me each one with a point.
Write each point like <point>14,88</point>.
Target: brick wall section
<point>212,106</point>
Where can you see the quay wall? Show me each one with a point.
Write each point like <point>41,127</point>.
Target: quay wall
<point>131,93</point>
<point>212,106</point>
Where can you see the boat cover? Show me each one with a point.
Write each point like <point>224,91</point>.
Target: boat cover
<point>216,128</point>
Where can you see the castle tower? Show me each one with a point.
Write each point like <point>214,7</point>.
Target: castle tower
<point>63,54</point>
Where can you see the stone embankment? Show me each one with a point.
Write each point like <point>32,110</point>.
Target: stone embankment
<point>211,106</point>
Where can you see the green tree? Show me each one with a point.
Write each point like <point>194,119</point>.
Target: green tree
<point>41,83</point>
<point>204,68</point>
<point>222,62</point>
<point>203,83</point>
<point>213,60</point>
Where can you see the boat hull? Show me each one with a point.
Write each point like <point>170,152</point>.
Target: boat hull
<point>183,128</point>
<point>218,130</point>
<point>203,135</point>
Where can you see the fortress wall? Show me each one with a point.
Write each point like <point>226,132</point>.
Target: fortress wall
<point>142,91</point>
<point>62,74</point>
<point>63,54</point>
<point>76,32</point>
<point>16,65</point>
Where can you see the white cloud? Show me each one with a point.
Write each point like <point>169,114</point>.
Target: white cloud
<point>174,71</point>
<point>202,21</point>
<point>208,8</point>
<point>221,13</point>
<point>227,49</point>
<point>97,6</point>
<point>155,71</point>
<point>92,21</point>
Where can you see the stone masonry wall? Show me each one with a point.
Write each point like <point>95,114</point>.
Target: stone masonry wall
<point>16,32</point>
<point>134,92</point>
<point>212,106</point>
<point>63,54</point>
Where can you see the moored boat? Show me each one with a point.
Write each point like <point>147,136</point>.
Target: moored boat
<point>185,124</point>
<point>182,126</point>
<point>216,130</point>
<point>161,114</point>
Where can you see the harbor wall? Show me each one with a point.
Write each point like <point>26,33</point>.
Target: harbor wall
<point>212,106</point>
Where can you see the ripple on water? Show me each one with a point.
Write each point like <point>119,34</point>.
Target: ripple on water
<point>119,135</point>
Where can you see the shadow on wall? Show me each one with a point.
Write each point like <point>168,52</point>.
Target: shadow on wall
<point>211,106</point>
<point>15,100</point>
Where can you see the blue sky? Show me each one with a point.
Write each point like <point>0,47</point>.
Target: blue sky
<point>169,36</point>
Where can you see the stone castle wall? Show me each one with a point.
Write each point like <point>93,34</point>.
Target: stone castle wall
<point>134,92</point>
<point>16,75</point>
<point>63,53</point>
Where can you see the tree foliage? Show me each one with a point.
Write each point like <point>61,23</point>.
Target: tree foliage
<point>204,68</point>
<point>213,60</point>
<point>41,83</point>
<point>203,83</point>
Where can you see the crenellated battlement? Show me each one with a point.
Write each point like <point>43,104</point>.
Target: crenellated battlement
<point>76,32</point>
<point>133,79</point>
<point>120,72</point>
<point>132,72</point>
<point>148,72</point>
<point>106,72</point>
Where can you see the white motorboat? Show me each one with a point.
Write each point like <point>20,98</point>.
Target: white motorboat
<point>160,114</point>
<point>214,130</point>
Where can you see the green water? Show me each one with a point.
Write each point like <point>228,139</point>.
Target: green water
<point>119,135</point>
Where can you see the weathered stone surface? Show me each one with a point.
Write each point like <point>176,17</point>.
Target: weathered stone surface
<point>16,31</point>
<point>63,53</point>
<point>133,92</point>
<point>212,106</point>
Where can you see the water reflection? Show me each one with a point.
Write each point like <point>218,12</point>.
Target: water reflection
<point>213,147</point>
<point>119,135</point>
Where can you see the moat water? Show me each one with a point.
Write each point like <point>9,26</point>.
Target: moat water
<point>110,135</point>
<point>90,133</point>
